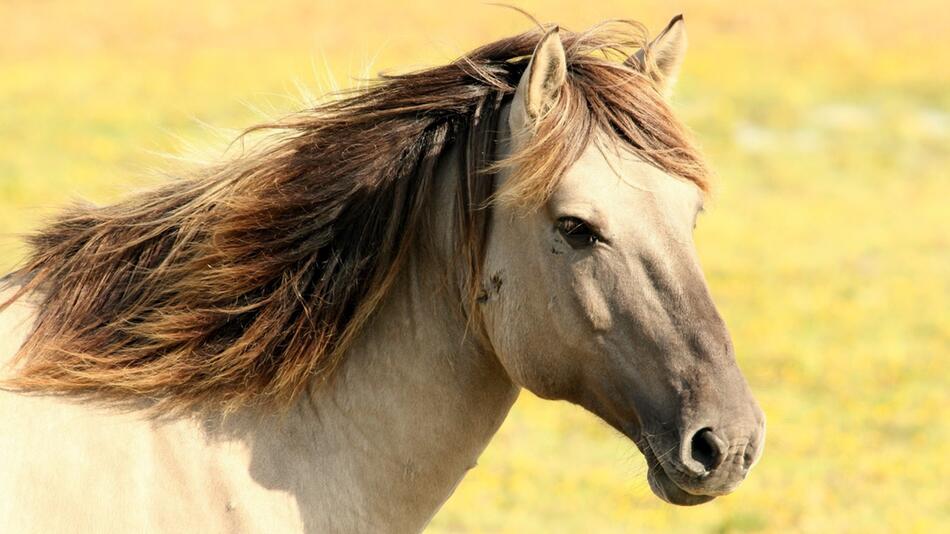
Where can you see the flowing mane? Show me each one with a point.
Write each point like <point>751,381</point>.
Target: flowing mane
<point>249,280</point>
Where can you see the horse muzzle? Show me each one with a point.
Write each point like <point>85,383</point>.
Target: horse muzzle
<point>704,463</point>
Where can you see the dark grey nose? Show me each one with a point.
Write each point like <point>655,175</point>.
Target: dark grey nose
<point>706,451</point>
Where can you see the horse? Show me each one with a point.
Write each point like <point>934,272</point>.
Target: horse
<point>322,332</point>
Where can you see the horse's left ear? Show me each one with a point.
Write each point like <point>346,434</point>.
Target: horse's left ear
<point>541,82</point>
<point>666,52</point>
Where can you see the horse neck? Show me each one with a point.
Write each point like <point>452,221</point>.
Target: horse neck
<point>409,411</point>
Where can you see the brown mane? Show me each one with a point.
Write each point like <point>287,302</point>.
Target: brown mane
<point>248,280</point>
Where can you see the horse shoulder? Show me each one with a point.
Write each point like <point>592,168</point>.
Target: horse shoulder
<point>70,466</point>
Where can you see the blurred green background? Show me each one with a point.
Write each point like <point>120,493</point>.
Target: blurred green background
<point>826,244</point>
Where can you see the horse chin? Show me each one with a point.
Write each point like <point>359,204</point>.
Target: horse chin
<point>664,488</point>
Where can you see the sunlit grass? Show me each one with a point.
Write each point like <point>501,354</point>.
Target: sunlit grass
<point>827,244</point>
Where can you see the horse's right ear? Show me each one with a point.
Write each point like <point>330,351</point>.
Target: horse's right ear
<point>666,53</point>
<point>540,84</point>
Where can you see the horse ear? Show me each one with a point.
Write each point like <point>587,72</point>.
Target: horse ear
<point>541,82</point>
<point>667,52</point>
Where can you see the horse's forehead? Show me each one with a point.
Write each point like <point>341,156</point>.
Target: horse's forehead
<point>617,179</point>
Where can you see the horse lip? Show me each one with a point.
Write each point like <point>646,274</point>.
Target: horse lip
<point>662,485</point>
<point>664,488</point>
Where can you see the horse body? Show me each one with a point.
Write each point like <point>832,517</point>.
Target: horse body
<point>431,311</point>
<point>379,448</point>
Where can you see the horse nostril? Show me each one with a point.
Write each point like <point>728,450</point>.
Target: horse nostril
<point>706,448</point>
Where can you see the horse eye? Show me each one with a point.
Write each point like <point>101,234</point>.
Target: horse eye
<point>576,232</point>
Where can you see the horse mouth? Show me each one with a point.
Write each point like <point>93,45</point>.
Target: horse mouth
<point>662,485</point>
<point>664,488</point>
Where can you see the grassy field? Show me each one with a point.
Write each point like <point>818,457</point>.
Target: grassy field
<point>827,244</point>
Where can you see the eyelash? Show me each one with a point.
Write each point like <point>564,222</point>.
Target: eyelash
<point>577,232</point>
